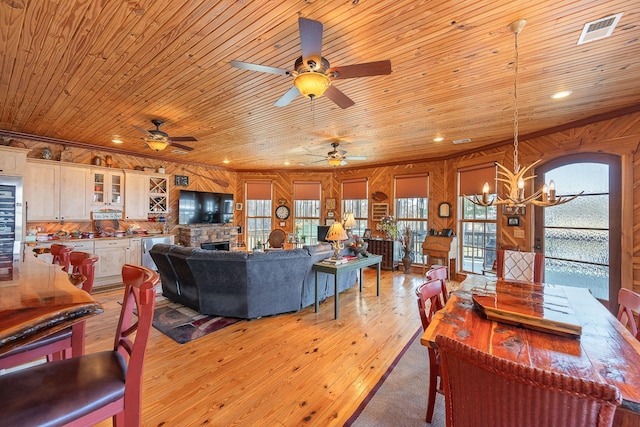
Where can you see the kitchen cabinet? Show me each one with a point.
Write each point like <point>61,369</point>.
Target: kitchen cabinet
<point>12,160</point>
<point>135,197</point>
<point>108,189</point>
<point>390,251</point>
<point>42,191</point>
<point>113,254</point>
<point>75,191</point>
<point>158,195</point>
<point>54,193</point>
<point>135,251</point>
<point>145,195</point>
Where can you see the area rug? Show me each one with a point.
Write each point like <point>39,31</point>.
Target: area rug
<point>183,324</point>
<point>399,398</point>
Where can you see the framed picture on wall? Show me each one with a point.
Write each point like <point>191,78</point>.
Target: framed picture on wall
<point>367,233</point>
<point>238,206</point>
<point>444,210</point>
<point>513,221</point>
<point>331,204</point>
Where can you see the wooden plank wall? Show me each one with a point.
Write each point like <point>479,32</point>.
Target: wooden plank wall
<point>618,136</point>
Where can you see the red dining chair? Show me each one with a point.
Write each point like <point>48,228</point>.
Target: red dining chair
<point>629,310</point>
<point>481,389</point>
<point>60,255</point>
<point>429,301</point>
<point>85,390</point>
<point>66,343</point>
<point>520,266</point>
<point>440,273</point>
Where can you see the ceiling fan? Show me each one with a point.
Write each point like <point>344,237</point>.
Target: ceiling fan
<point>159,140</point>
<point>337,157</point>
<point>312,72</point>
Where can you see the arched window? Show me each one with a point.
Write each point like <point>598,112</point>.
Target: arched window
<point>581,239</point>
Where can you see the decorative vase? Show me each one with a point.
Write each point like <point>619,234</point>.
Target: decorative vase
<point>406,261</point>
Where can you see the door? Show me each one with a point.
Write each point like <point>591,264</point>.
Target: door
<point>581,240</point>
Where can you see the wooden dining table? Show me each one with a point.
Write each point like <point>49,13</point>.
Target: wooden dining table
<point>40,299</point>
<point>601,349</point>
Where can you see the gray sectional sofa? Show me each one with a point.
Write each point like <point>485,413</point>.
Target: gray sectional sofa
<point>242,285</point>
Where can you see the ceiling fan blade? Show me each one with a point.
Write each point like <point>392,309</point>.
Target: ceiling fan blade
<point>259,68</point>
<point>183,138</point>
<point>341,100</point>
<point>181,147</point>
<point>146,132</point>
<point>310,37</point>
<point>288,97</point>
<point>377,68</point>
<point>356,158</point>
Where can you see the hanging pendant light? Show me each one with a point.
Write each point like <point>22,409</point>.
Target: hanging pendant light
<point>515,180</point>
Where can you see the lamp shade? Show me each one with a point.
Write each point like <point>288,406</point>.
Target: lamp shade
<point>349,221</point>
<point>336,232</point>
<point>312,84</point>
<point>157,145</point>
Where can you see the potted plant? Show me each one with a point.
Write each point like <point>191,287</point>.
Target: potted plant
<point>258,247</point>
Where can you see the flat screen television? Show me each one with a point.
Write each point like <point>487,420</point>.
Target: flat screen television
<point>201,207</point>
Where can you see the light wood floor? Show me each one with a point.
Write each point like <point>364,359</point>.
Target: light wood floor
<point>296,369</point>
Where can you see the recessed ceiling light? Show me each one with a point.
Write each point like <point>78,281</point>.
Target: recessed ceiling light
<point>116,140</point>
<point>438,139</point>
<point>225,161</point>
<point>562,94</point>
<point>287,163</point>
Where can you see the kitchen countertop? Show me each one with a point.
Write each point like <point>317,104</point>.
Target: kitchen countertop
<point>80,239</point>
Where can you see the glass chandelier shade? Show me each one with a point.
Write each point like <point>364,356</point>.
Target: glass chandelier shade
<point>157,144</point>
<point>312,84</point>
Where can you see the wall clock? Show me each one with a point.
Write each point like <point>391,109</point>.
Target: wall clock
<point>282,212</point>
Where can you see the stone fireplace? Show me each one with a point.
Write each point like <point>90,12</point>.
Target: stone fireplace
<point>211,235</point>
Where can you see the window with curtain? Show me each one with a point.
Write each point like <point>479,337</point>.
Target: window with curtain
<point>257,212</point>
<point>306,209</point>
<point>412,208</point>
<point>478,224</point>
<point>355,200</point>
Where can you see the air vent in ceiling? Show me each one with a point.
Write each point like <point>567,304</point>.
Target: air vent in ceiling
<point>461,141</point>
<point>599,29</point>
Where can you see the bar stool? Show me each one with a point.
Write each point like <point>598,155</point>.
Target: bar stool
<point>60,255</point>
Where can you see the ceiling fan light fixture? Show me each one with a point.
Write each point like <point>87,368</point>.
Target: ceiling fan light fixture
<point>335,161</point>
<point>312,84</point>
<point>157,145</point>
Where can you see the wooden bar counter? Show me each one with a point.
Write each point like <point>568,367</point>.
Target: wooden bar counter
<point>38,300</point>
<point>603,351</point>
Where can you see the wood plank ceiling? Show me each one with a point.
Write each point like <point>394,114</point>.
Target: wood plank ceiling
<point>89,71</point>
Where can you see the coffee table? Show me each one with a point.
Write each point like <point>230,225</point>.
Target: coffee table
<point>337,270</point>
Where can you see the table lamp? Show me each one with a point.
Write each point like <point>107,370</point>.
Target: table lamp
<point>349,221</point>
<point>335,235</point>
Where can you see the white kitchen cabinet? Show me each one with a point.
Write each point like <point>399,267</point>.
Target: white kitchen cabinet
<point>108,189</point>
<point>135,251</point>
<point>158,196</point>
<point>135,198</point>
<point>12,160</point>
<point>113,254</point>
<point>42,191</point>
<point>55,192</point>
<point>75,193</point>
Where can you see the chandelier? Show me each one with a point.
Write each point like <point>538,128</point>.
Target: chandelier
<point>515,181</point>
